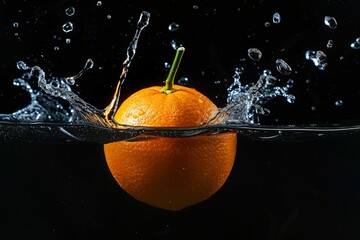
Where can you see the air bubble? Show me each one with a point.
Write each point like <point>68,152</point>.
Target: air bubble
<point>70,11</point>
<point>267,24</point>
<point>15,24</point>
<point>99,3</point>
<point>283,67</point>
<point>108,16</point>
<point>330,22</point>
<point>68,27</point>
<point>68,40</point>
<point>255,54</point>
<point>195,7</point>
<point>56,48</point>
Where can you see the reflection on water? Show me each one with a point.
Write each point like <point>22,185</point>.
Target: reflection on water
<point>47,119</point>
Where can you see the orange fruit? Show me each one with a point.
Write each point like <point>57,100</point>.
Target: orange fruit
<point>165,172</point>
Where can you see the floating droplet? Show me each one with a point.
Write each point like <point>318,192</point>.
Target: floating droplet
<point>276,18</point>
<point>290,83</point>
<point>70,11</point>
<point>174,44</point>
<point>173,27</point>
<point>356,44</point>
<point>330,22</point>
<point>167,65</point>
<point>283,67</point>
<point>255,54</point>
<point>15,24</point>
<point>68,27</point>
<point>22,65</point>
<point>267,72</point>
<point>329,44</point>
<point>318,58</point>
<point>339,103</point>
<point>99,3</point>
<point>68,40</point>
<point>183,81</point>
<point>267,24</point>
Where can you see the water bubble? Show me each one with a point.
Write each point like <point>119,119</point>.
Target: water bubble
<point>318,58</point>
<point>15,24</point>
<point>56,48</point>
<point>22,65</point>
<point>108,16</point>
<point>184,81</point>
<point>276,18</point>
<point>68,27</point>
<point>329,43</point>
<point>195,7</point>
<point>70,80</point>
<point>68,40</point>
<point>330,22</point>
<point>173,27</point>
<point>99,3</point>
<point>339,103</point>
<point>70,11</point>
<point>267,24</point>
<point>255,54</point>
<point>270,80</point>
<point>283,67</point>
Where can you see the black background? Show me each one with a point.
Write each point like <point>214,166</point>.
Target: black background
<point>277,190</point>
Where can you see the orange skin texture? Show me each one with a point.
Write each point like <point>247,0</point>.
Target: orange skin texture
<point>170,173</point>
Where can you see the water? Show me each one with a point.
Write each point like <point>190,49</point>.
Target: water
<point>47,119</point>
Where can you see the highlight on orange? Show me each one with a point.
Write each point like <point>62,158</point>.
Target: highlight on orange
<point>165,172</point>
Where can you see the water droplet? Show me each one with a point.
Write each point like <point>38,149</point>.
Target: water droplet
<point>267,72</point>
<point>173,27</point>
<point>167,65</point>
<point>276,18</point>
<point>290,83</point>
<point>267,24</point>
<point>15,24</point>
<point>283,67</point>
<point>313,108</point>
<point>217,82</point>
<point>356,44</point>
<point>255,54</point>
<point>99,3</point>
<point>56,48</point>
<point>195,7</point>
<point>22,65</point>
<point>68,27</point>
<point>70,80</point>
<point>108,16</point>
<point>318,58</point>
<point>329,44</point>
<point>184,81</point>
<point>174,44</point>
<point>339,103</point>
<point>68,40</point>
<point>330,22</point>
<point>270,80</point>
<point>70,11</point>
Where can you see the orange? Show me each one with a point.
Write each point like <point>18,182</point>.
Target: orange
<point>170,173</point>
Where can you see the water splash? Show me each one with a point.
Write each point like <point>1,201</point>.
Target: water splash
<point>245,102</point>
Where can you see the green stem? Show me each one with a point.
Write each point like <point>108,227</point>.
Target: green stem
<point>169,83</point>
